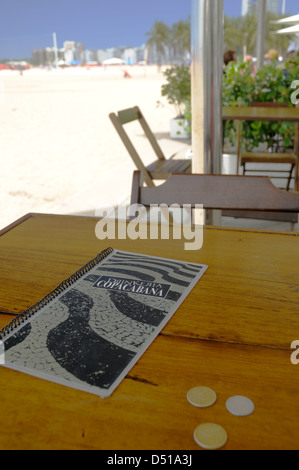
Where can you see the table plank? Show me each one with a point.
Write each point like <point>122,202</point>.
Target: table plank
<point>249,293</point>
<point>149,409</point>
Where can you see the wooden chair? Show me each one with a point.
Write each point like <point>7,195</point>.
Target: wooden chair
<point>268,157</point>
<point>161,168</point>
<point>233,192</point>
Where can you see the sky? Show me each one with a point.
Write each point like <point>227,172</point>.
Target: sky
<point>98,24</point>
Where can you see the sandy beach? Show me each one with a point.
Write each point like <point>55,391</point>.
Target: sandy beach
<point>59,152</point>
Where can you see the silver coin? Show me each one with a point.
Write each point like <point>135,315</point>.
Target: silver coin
<point>240,406</point>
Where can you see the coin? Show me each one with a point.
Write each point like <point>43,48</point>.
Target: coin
<point>240,406</point>
<point>210,436</point>
<point>201,397</point>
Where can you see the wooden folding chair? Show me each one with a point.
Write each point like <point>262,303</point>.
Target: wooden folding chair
<point>233,192</point>
<point>258,157</point>
<point>161,168</point>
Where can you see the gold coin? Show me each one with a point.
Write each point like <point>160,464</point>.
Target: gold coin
<point>210,436</point>
<point>201,397</point>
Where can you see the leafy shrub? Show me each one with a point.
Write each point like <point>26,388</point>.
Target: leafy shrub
<point>271,84</point>
<point>177,88</point>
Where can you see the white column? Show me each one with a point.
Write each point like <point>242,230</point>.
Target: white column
<point>261,32</point>
<point>55,49</point>
<point>206,82</point>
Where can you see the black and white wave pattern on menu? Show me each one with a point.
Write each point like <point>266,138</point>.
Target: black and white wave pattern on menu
<point>90,335</point>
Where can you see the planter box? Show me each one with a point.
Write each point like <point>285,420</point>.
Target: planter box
<point>177,128</point>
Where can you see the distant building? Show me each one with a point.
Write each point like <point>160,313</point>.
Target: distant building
<point>46,56</point>
<point>39,57</point>
<point>273,6</point>
<point>90,55</point>
<point>129,55</point>
<point>141,53</point>
<point>100,55</point>
<point>109,53</point>
<point>249,7</point>
<point>73,51</point>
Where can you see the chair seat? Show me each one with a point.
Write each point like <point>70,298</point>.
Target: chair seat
<point>161,169</point>
<point>267,157</point>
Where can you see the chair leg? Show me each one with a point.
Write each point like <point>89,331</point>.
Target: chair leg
<point>290,177</point>
<point>239,145</point>
<point>295,226</point>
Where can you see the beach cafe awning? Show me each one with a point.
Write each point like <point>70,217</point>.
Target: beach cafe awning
<point>291,30</point>
<point>288,20</point>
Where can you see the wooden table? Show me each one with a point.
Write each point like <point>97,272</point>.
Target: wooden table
<point>232,333</point>
<point>260,113</point>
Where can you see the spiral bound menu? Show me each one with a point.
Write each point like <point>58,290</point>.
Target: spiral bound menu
<point>94,326</point>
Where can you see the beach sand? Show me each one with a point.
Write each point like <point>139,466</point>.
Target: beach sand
<point>59,151</point>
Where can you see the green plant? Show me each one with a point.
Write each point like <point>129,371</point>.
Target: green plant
<point>177,88</point>
<point>241,88</point>
<point>270,84</point>
<point>188,117</point>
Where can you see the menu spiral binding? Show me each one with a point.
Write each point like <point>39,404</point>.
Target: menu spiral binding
<point>26,314</point>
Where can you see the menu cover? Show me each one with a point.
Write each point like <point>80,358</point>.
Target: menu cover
<point>90,331</point>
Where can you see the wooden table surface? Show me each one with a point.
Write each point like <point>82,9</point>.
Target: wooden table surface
<point>232,333</point>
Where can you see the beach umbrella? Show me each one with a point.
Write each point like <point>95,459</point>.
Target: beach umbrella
<point>113,61</point>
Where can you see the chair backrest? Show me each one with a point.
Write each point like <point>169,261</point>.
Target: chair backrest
<point>217,192</point>
<point>119,121</point>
